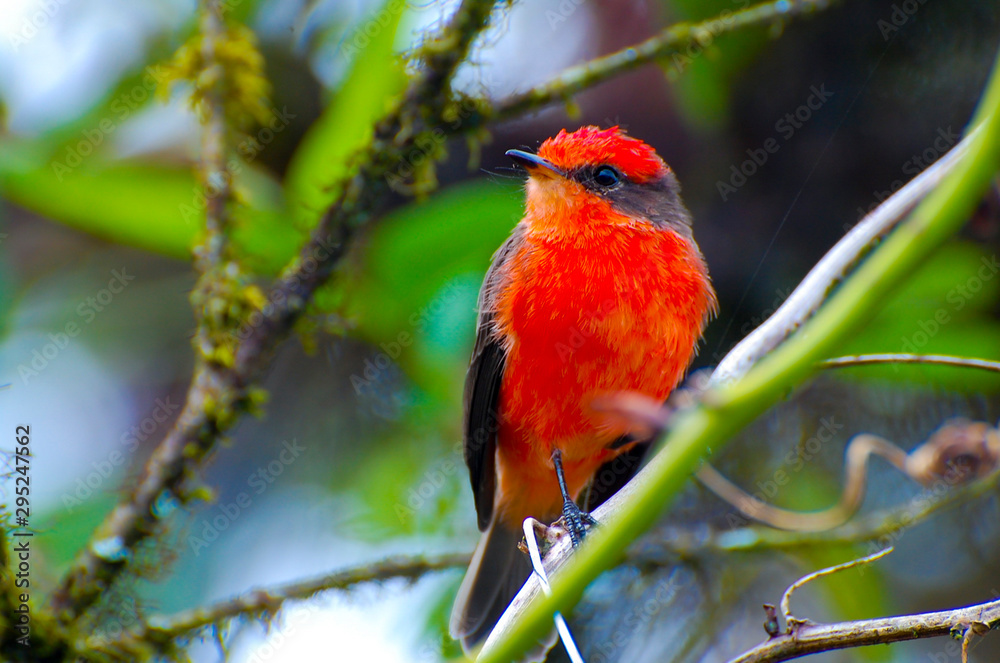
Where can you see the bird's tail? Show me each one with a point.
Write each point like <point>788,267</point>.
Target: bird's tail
<point>497,572</point>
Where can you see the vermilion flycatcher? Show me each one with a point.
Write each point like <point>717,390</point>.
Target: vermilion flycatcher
<point>600,289</point>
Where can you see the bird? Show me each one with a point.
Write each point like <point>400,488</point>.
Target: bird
<point>599,290</point>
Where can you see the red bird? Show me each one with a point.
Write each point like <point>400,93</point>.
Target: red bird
<point>600,289</point>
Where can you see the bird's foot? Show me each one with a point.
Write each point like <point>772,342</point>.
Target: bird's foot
<point>576,521</point>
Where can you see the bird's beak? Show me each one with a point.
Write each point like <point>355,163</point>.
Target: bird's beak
<point>531,162</point>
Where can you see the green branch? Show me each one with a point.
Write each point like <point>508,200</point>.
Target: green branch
<point>725,410</point>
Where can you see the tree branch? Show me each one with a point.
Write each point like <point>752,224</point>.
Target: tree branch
<point>215,178</point>
<point>682,40</point>
<point>809,638</point>
<point>221,390</point>
<point>871,526</point>
<point>162,630</point>
<point>904,358</point>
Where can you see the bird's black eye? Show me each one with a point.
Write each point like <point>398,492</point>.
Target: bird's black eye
<point>606,176</point>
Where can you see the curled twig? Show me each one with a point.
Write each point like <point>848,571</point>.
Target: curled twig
<point>957,452</point>
<point>792,623</point>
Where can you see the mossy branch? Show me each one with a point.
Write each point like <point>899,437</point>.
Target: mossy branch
<point>266,602</point>
<point>222,387</point>
<point>677,45</point>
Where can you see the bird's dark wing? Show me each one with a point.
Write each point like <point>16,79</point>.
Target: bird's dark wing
<point>482,385</point>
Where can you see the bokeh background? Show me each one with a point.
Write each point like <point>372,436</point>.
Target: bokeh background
<point>356,456</point>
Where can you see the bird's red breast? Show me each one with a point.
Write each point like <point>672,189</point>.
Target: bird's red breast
<point>593,301</point>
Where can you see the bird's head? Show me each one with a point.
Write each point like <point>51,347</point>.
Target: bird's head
<point>600,176</point>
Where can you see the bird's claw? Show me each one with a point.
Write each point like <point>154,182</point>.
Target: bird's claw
<point>576,521</point>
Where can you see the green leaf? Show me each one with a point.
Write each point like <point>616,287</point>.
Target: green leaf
<point>423,264</point>
<point>150,206</point>
<point>946,307</point>
<point>135,204</point>
<point>323,157</point>
<point>705,72</point>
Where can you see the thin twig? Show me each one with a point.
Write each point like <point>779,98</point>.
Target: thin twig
<point>215,179</point>
<point>674,40</point>
<point>859,450</point>
<point>267,601</point>
<point>792,623</point>
<point>687,542</point>
<point>813,638</point>
<point>904,358</point>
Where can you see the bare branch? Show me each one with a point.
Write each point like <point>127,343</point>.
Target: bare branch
<point>809,638</point>
<point>903,358</point>
<point>791,623</point>
<point>884,522</point>
<point>214,175</point>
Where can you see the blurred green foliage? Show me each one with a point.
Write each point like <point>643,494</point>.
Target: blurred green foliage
<point>409,289</point>
<point>324,156</point>
<point>945,308</point>
<point>703,74</point>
